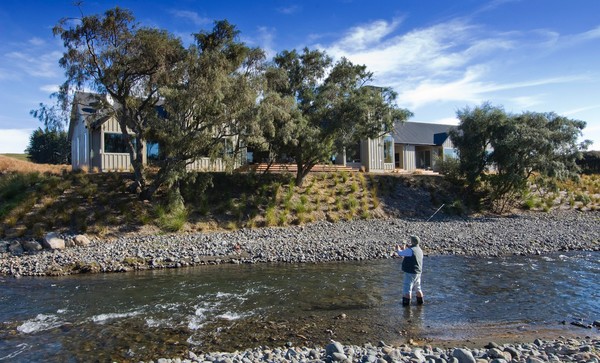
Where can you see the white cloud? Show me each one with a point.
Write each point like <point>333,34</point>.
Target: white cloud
<point>14,141</point>
<point>265,41</point>
<point>581,109</point>
<point>442,50</point>
<point>360,37</point>
<point>290,9</point>
<point>37,65</point>
<point>37,41</point>
<point>49,88</point>
<point>452,62</point>
<point>191,16</point>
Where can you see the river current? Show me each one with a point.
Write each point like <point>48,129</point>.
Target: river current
<point>163,313</point>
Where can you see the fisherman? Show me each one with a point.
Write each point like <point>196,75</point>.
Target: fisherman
<point>412,266</point>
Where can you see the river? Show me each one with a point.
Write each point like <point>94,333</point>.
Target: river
<point>163,313</point>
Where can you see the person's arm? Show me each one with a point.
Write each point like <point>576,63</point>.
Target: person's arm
<point>404,252</point>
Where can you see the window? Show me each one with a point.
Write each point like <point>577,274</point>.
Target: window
<point>353,153</point>
<point>115,143</point>
<point>228,147</point>
<point>450,154</point>
<point>152,151</point>
<point>388,149</point>
<point>424,159</point>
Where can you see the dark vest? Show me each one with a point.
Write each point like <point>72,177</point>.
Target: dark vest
<point>414,263</point>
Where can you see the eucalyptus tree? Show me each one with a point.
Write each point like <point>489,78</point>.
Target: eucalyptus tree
<point>211,105</point>
<point>112,55</point>
<point>312,108</point>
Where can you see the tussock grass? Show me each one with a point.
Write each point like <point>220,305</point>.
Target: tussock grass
<point>32,203</point>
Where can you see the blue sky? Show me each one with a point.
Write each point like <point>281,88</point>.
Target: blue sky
<point>439,55</point>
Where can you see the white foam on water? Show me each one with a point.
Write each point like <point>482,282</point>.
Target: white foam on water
<point>197,320</point>
<point>548,258</point>
<point>41,322</point>
<point>231,316</point>
<point>169,306</point>
<point>103,318</point>
<point>156,323</point>
<point>20,349</point>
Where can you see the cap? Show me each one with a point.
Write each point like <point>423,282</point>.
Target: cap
<point>414,240</point>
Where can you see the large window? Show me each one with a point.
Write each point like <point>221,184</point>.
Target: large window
<point>388,149</point>
<point>353,153</point>
<point>424,159</point>
<point>115,143</point>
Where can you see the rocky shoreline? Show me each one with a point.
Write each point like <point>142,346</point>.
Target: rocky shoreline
<point>561,350</point>
<point>523,234</point>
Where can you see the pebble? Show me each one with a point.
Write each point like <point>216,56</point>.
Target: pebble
<point>523,234</point>
<point>336,352</point>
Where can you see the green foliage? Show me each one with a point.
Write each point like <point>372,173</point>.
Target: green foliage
<point>313,108</point>
<point>49,147</point>
<point>171,220</point>
<point>13,190</point>
<point>590,162</point>
<point>111,54</point>
<point>499,152</point>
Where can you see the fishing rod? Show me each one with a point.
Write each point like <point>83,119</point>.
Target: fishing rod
<point>436,212</point>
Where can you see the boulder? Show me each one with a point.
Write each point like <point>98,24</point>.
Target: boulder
<point>334,347</point>
<point>31,246</point>
<point>53,242</point>
<point>463,356</point>
<point>81,240</point>
<point>15,248</point>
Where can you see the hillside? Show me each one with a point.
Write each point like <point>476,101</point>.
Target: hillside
<point>36,199</point>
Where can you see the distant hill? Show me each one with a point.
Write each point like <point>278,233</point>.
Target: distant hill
<point>16,156</point>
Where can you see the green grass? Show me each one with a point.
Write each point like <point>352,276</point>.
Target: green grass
<point>31,203</point>
<point>22,157</point>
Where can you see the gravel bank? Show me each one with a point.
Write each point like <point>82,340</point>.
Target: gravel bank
<point>531,233</point>
<point>565,350</point>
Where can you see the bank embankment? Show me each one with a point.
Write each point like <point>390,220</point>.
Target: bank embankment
<point>522,234</point>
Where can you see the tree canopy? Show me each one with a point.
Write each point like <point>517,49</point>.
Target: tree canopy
<point>112,55</point>
<point>49,147</point>
<point>500,151</point>
<point>212,99</point>
<point>313,108</point>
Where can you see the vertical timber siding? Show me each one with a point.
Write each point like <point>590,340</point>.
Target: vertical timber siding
<point>410,161</point>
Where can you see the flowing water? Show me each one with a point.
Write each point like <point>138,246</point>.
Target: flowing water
<point>151,314</point>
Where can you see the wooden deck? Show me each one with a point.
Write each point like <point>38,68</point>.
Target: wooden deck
<point>292,168</point>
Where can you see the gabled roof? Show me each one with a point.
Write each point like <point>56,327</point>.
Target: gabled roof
<point>86,104</point>
<point>421,133</point>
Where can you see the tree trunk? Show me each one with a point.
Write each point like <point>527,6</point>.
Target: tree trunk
<point>302,172</point>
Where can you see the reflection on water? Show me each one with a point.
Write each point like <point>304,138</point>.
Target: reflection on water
<point>161,313</point>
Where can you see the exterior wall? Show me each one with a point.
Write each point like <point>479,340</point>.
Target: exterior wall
<point>205,164</point>
<point>96,145</point>
<point>79,145</point>
<point>115,162</point>
<point>409,159</point>
<point>372,156</point>
<point>112,161</point>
